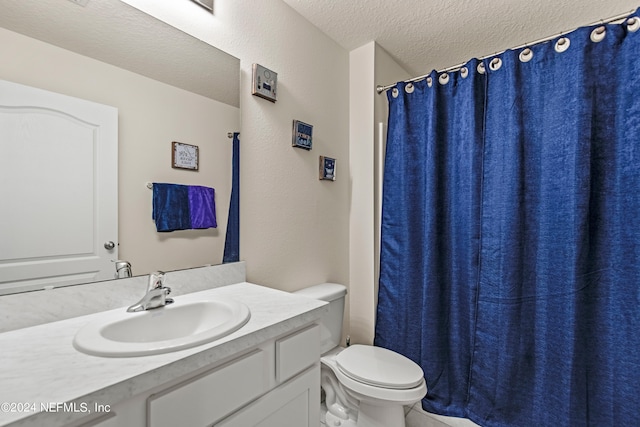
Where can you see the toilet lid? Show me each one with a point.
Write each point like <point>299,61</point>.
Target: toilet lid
<point>379,367</point>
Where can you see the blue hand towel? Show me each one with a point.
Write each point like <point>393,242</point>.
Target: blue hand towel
<point>171,207</point>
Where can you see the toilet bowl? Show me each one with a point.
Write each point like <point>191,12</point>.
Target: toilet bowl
<point>364,386</point>
<point>376,383</point>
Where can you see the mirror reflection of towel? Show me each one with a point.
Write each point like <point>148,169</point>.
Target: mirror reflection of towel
<point>183,207</point>
<point>202,207</point>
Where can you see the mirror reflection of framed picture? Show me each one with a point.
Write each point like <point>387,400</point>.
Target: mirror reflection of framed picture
<point>184,156</point>
<point>327,168</point>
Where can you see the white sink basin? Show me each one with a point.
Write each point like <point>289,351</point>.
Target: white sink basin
<point>161,330</point>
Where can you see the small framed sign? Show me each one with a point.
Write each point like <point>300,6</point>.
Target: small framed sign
<point>207,4</point>
<point>302,133</point>
<point>327,168</point>
<point>264,82</point>
<point>184,156</point>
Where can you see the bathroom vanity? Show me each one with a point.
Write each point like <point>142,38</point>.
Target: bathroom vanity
<point>266,372</point>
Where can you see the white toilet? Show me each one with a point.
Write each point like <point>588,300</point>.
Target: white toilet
<point>364,386</point>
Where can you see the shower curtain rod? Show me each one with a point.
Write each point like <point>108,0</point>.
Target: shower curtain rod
<point>620,17</point>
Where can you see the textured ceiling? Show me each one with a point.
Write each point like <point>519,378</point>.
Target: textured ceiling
<point>423,35</point>
<point>113,32</point>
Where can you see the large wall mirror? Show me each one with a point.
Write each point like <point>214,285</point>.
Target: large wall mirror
<point>167,86</point>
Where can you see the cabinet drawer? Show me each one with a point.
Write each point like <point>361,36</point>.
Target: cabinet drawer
<point>294,403</point>
<point>212,395</point>
<point>296,352</point>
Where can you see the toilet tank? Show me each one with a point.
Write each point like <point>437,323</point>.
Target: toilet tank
<point>331,321</point>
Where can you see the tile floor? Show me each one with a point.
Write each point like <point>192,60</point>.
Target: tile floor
<point>417,417</point>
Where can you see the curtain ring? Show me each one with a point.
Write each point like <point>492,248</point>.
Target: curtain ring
<point>562,44</point>
<point>481,68</point>
<point>395,92</point>
<point>633,24</point>
<point>495,64</point>
<point>598,34</point>
<point>526,55</point>
<point>409,88</point>
<point>443,79</point>
<point>429,81</point>
<point>464,72</point>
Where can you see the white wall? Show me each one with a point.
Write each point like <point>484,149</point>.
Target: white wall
<point>151,115</point>
<point>294,227</point>
<point>361,146</point>
<point>370,66</point>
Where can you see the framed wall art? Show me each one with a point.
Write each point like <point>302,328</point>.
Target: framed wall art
<point>327,168</point>
<point>264,82</point>
<point>184,156</point>
<point>302,135</point>
<point>207,4</point>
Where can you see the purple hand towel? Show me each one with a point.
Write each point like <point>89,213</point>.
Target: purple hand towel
<point>202,207</point>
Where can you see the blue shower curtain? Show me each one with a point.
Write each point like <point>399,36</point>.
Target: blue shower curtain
<point>232,240</point>
<point>510,253</point>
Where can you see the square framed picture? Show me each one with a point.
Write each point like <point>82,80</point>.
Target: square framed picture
<point>327,168</point>
<point>184,156</point>
<point>264,82</point>
<point>207,4</point>
<point>302,135</point>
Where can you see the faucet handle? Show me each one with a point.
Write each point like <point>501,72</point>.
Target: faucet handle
<point>156,280</point>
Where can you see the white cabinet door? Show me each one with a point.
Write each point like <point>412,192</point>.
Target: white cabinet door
<point>58,188</point>
<point>212,395</point>
<point>296,403</point>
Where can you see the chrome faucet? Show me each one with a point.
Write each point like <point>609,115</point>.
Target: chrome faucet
<point>123,269</point>
<point>156,295</point>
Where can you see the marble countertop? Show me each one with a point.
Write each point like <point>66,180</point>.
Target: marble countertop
<point>40,366</point>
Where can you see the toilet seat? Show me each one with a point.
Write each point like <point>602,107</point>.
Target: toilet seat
<point>363,386</point>
<point>379,367</point>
